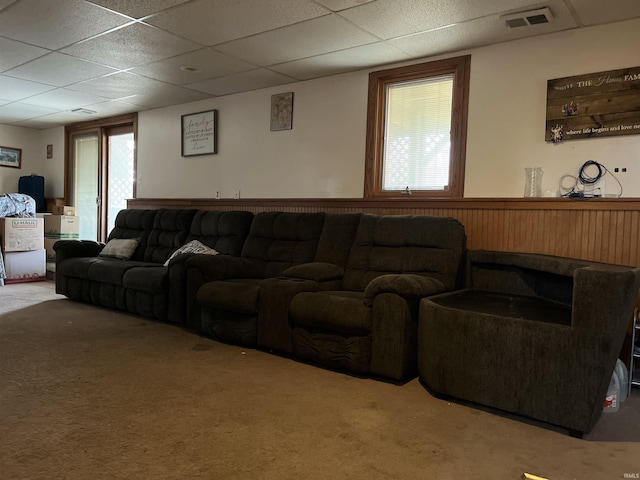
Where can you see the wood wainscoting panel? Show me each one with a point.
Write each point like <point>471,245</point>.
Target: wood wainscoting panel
<point>602,230</point>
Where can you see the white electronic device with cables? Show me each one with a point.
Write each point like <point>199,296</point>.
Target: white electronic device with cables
<point>589,183</point>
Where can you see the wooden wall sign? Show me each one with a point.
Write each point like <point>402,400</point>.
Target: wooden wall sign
<point>599,104</point>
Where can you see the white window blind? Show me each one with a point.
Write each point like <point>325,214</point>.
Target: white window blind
<point>86,187</point>
<point>418,134</point>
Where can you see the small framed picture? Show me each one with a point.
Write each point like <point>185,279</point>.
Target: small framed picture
<point>282,111</point>
<point>10,157</point>
<point>49,151</point>
<point>199,133</point>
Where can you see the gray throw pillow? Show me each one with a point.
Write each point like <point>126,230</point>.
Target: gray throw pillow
<point>120,248</point>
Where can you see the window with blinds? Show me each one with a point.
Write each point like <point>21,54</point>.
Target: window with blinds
<point>417,139</point>
<point>417,130</point>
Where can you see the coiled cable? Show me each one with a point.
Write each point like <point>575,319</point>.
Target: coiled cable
<point>586,179</point>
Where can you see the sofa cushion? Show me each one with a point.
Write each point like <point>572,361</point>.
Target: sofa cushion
<point>146,279</point>
<point>77,267</point>
<point>338,233</point>
<point>334,311</point>
<point>170,230</point>
<point>240,295</point>
<point>111,270</point>
<point>316,271</point>
<point>120,248</point>
<point>134,224</point>
<point>278,240</point>
<point>222,231</point>
<point>421,245</point>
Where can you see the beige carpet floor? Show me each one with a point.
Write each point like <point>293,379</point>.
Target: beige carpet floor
<point>87,393</point>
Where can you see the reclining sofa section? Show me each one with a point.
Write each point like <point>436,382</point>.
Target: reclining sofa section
<point>337,290</point>
<point>141,284</point>
<point>246,300</point>
<point>369,324</point>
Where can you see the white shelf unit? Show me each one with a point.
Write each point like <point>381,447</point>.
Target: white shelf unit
<point>634,365</point>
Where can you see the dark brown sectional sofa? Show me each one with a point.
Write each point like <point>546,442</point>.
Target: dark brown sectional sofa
<point>355,280</point>
<point>375,295</point>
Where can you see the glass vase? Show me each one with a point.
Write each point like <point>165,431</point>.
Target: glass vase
<point>533,182</point>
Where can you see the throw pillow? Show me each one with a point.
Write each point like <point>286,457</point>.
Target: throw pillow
<point>194,246</point>
<point>120,248</point>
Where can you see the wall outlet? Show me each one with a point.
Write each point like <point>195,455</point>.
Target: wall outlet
<point>217,193</point>
<point>236,194</point>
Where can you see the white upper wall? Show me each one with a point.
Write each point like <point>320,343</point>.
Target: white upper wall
<point>34,158</point>
<point>27,140</point>
<point>52,168</point>
<point>507,111</point>
<point>323,155</point>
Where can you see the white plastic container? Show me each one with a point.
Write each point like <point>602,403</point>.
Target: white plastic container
<point>612,400</point>
<point>623,377</point>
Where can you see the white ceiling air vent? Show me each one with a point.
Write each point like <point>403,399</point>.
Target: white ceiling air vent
<point>84,111</point>
<point>525,19</point>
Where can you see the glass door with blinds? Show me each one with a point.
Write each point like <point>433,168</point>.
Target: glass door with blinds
<point>100,175</point>
<point>85,158</point>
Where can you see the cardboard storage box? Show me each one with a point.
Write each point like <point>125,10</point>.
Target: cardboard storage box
<point>61,226</point>
<point>63,210</point>
<point>21,234</point>
<point>48,247</point>
<point>54,202</point>
<point>25,266</point>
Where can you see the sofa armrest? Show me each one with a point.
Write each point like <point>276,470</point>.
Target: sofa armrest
<point>201,269</point>
<point>604,294</point>
<point>317,272</point>
<point>76,248</point>
<point>403,284</point>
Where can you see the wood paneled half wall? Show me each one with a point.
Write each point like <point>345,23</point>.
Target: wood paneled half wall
<point>602,230</point>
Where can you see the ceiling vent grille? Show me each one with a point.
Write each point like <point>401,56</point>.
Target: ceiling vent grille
<point>84,111</point>
<point>525,19</point>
